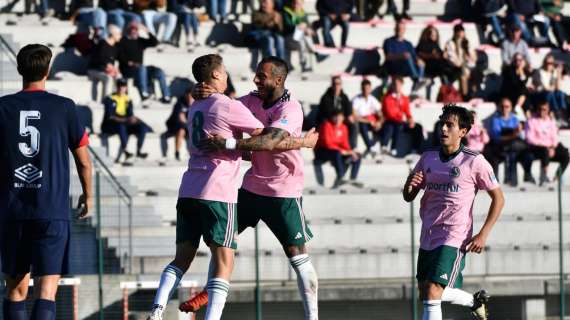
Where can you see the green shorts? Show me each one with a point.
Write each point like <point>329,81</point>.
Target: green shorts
<point>284,217</point>
<point>442,265</point>
<point>215,221</point>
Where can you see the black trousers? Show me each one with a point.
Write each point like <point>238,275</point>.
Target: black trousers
<point>561,156</point>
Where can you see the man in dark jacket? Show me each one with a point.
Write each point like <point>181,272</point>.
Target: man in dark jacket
<point>333,13</point>
<point>101,67</point>
<point>131,54</point>
<point>333,100</point>
<point>120,119</point>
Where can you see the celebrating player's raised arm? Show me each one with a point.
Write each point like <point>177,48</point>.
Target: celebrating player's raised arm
<point>477,243</point>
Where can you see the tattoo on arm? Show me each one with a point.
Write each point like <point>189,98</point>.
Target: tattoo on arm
<point>266,141</point>
<point>290,143</point>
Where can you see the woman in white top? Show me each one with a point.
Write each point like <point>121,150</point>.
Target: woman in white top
<point>547,81</point>
<point>459,55</point>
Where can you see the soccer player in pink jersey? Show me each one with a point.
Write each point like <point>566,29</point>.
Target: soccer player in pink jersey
<point>450,177</point>
<point>272,188</point>
<point>208,194</point>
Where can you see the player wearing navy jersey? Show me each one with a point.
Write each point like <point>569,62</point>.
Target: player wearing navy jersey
<point>37,130</point>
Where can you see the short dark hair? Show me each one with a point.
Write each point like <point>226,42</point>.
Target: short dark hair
<point>203,66</point>
<point>280,67</point>
<point>33,62</point>
<point>464,116</point>
<point>365,82</point>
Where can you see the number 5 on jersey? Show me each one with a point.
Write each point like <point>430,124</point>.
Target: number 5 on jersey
<point>26,130</point>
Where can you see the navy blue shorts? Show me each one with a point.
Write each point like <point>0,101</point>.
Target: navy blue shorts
<point>37,246</point>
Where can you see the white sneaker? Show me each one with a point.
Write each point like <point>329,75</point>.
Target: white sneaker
<point>155,314</point>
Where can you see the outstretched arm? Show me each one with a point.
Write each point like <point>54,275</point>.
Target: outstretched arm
<point>267,140</point>
<point>291,143</point>
<point>477,243</point>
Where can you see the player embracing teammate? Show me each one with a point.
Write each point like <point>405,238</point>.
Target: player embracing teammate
<point>450,176</point>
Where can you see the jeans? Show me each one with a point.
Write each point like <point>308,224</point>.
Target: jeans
<point>120,17</point>
<point>94,18</point>
<point>106,80</point>
<point>339,162</point>
<point>145,73</point>
<point>154,18</point>
<point>556,99</point>
<point>217,7</point>
<point>328,24</point>
<point>271,43</point>
<point>189,21</point>
<point>527,33</point>
<point>391,131</point>
<point>497,28</point>
<point>405,68</point>
<point>365,129</point>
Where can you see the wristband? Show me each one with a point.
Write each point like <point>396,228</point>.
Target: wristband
<point>231,144</point>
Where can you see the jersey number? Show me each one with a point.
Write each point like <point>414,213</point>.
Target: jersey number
<point>27,130</point>
<point>197,127</point>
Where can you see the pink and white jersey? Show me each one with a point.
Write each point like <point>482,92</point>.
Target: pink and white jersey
<point>274,173</point>
<point>450,187</point>
<point>215,176</point>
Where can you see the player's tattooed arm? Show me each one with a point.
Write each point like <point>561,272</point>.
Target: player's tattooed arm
<point>267,140</point>
<point>413,185</point>
<point>291,143</point>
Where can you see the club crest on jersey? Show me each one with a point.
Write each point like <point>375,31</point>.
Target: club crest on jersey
<point>454,172</point>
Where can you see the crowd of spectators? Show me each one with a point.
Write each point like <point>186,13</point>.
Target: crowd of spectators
<point>119,32</point>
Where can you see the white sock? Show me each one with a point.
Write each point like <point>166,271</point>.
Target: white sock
<point>308,285</point>
<point>169,280</point>
<point>217,293</point>
<point>457,296</point>
<point>432,310</point>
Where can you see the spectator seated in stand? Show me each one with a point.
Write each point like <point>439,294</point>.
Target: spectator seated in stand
<point>461,57</point>
<point>120,119</point>
<point>477,138</point>
<point>87,15</point>
<point>547,82</point>
<point>367,112</point>
<point>514,44</point>
<point>553,10</point>
<point>542,137</point>
<point>401,58</point>
<point>488,12</point>
<point>396,106</point>
<point>333,147</point>
<point>333,13</point>
<point>299,34</point>
<point>507,144</point>
<point>187,18</point>
<point>429,51</point>
<point>516,80</point>
<point>119,13</point>
<point>333,100</point>
<point>176,126</point>
<point>101,67</point>
<point>267,30</point>
<point>131,54</point>
<point>527,14</point>
<point>154,14</point>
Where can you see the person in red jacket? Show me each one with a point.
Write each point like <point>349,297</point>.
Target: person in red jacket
<point>396,107</point>
<point>333,146</point>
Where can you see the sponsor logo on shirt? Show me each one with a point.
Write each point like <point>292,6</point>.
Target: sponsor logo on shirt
<point>28,173</point>
<point>454,172</point>
<point>283,121</point>
<point>447,187</point>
